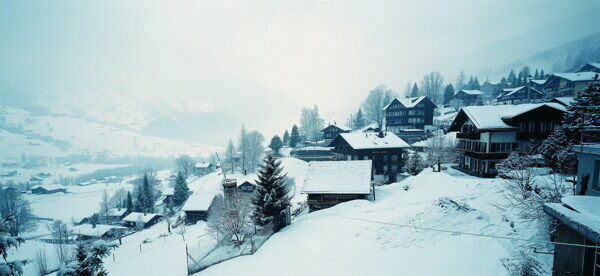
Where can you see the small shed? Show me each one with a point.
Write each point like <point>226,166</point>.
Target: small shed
<point>328,183</point>
<point>116,214</point>
<point>579,223</point>
<point>141,220</point>
<point>197,206</point>
<point>204,168</point>
<point>48,189</point>
<point>98,231</point>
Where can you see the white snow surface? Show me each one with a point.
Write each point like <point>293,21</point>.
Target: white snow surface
<point>360,140</point>
<point>491,116</point>
<point>330,242</point>
<point>141,217</point>
<point>471,92</point>
<point>407,102</point>
<point>339,177</point>
<point>579,76</point>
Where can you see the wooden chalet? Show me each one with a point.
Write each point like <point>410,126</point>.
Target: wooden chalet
<point>333,130</point>
<point>591,67</point>
<point>385,149</point>
<point>141,220</point>
<point>328,183</point>
<point>197,207</point>
<point>521,94</point>
<point>487,134</point>
<point>97,231</point>
<point>469,97</point>
<point>568,84</point>
<point>48,189</point>
<point>409,113</point>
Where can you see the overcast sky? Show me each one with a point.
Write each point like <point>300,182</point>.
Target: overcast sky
<point>325,52</point>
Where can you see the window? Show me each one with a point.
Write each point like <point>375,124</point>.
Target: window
<point>394,158</point>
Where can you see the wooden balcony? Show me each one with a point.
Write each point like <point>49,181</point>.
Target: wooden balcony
<point>468,135</point>
<point>532,136</point>
<point>486,155</point>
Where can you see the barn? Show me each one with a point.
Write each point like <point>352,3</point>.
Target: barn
<point>197,206</point>
<point>328,183</point>
<point>141,220</point>
<point>98,231</point>
<point>48,189</point>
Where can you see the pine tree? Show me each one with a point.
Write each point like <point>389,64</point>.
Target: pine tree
<point>448,93</point>
<point>271,198</point>
<point>276,144</point>
<point>129,203</point>
<point>294,137</point>
<point>145,195</point>
<point>6,242</point>
<point>512,78</point>
<point>359,120</point>
<point>542,74</point>
<point>80,252</point>
<point>181,190</point>
<point>415,91</point>
<point>286,139</point>
<point>584,111</point>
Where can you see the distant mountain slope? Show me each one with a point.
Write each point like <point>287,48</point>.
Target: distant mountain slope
<point>22,132</point>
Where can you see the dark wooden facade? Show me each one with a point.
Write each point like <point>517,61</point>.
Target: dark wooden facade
<point>525,94</point>
<point>386,161</point>
<point>321,201</point>
<point>333,130</point>
<point>411,113</point>
<point>469,97</point>
<point>482,149</point>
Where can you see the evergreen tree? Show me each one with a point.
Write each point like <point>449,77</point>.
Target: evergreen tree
<point>145,195</point>
<point>9,268</point>
<point>542,74</point>
<point>476,85</point>
<point>230,154</point>
<point>460,81</point>
<point>243,148</point>
<point>91,264</point>
<point>294,137</point>
<point>181,190</point>
<point>512,78</point>
<point>271,198</point>
<point>415,91</point>
<point>80,252</point>
<point>276,144</point>
<point>359,119</point>
<point>584,111</point>
<point>129,203</point>
<point>448,93</point>
<point>286,139</point>
<point>536,75</point>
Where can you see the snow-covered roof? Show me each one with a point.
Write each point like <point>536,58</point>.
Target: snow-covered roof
<point>540,82</point>
<point>471,92</point>
<point>493,116</point>
<point>116,212</point>
<point>339,177</point>
<point>360,140</point>
<point>593,64</point>
<point>49,187</point>
<point>98,231</point>
<point>407,102</point>
<point>517,89</point>
<point>141,217</point>
<point>314,148</point>
<point>566,101</point>
<point>578,212</point>
<point>198,202</point>
<point>579,76</point>
<point>365,128</point>
<point>342,127</point>
<point>203,165</point>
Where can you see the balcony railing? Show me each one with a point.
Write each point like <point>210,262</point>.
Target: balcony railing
<point>528,136</point>
<point>487,155</point>
<point>469,135</point>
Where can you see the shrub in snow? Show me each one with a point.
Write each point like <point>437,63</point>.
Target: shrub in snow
<point>523,264</point>
<point>91,264</point>
<point>447,204</point>
<point>229,216</point>
<point>415,164</point>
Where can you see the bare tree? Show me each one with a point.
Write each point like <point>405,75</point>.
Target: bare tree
<point>440,149</point>
<point>378,98</point>
<point>104,207</point>
<point>432,85</point>
<point>255,149</point>
<point>41,261</point>
<point>229,217</point>
<point>311,123</point>
<point>61,233</point>
<point>12,204</point>
<point>185,165</point>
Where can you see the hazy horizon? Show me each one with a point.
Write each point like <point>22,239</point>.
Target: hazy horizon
<point>328,53</point>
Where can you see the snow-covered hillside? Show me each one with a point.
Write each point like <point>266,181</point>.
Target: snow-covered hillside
<point>363,238</point>
<point>22,132</point>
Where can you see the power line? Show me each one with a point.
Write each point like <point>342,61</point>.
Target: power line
<point>468,234</point>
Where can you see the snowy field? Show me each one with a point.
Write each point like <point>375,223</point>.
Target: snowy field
<point>338,240</point>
